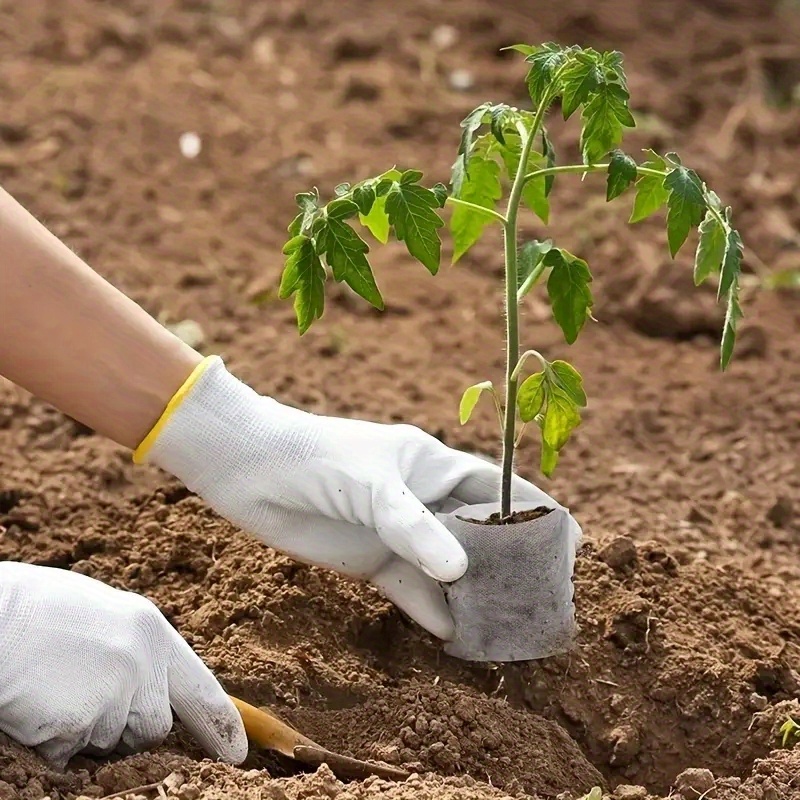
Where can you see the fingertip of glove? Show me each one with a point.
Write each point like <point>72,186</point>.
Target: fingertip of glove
<point>446,568</point>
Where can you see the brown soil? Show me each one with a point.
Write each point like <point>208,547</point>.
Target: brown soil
<point>514,518</point>
<point>685,481</point>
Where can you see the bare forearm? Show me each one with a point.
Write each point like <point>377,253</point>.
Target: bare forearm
<point>72,339</point>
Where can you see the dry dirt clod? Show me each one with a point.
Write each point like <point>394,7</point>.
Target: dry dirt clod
<point>694,783</point>
<point>618,553</point>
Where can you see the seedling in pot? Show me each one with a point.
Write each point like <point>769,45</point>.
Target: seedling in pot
<point>506,164</point>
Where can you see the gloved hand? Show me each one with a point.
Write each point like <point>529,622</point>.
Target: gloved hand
<point>352,496</point>
<point>85,666</point>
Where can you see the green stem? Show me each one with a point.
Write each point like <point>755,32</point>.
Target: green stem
<point>490,212</point>
<point>524,357</point>
<point>530,281</point>
<point>512,307</point>
<point>578,168</point>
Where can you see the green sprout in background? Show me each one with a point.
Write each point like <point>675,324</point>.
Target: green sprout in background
<point>505,152</point>
<point>790,733</point>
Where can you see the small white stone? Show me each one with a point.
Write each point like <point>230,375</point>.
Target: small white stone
<point>461,80</point>
<point>444,36</point>
<point>190,145</point>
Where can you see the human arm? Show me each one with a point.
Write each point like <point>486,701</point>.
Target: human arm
<point>72,339</point>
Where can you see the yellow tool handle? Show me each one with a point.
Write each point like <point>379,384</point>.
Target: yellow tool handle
<point>269,732</point>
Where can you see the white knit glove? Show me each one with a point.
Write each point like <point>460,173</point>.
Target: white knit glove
<point>337,493</point>
<point>84,666</point>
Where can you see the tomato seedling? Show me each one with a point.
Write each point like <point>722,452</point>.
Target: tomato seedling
<point>506,151</point>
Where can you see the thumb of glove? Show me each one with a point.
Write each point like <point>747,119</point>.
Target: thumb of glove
<point>409,529</point>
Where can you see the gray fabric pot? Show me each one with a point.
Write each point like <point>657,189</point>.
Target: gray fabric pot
<point>515,601</point>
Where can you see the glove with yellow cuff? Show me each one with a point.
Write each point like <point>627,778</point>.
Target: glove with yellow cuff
<point>352,496</point>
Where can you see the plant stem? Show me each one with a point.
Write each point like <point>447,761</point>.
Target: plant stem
<point>530,281</point>
<point>512,308</point>
<point>578,168</point>
<point>525,356</point>
<point>490,212</point>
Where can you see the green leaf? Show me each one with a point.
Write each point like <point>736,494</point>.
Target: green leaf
<point>482,188</point>
<point>732,317</point>
<point>470,399</point>
<point>731,262</point>
<point>469,127</point>
<point>410,176</point>
<point>545,62</point>
<point>568,287</point>
<point>560,418</point>
<point>525,49</point>
<point>549,154</point>
<point>621,174</point>
<point>412,212</point>
<point>549,460</point>
<point>570,381</point>
<point>710,248</point>
<point>345,251</point>
<point>579,80</point>
<point>685,206</point>
<point>341,189</point>
<point>364,197</point>
<point>604,116</point>
<point>441,192</point>
<point>303,276</point>
<point>529,257</point>
<point>531,396</point>
<point>500,117</point>
<point>651,194</point>
<point>377,222</point>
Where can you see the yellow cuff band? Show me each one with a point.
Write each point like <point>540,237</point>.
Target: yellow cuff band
<point>140,453</point>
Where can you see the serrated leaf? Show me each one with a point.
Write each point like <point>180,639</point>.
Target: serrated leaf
<point>545,62</point>
<point>364,197</point>
<point>412,212</point>
<point>529,257</point>
<point>469,127</point>
<point>604,116</point>
<point>570,380</point>
<point>470,399</point>
<point>531,396</point>
<point>568,287</point>
<point>685,206</point>
<point>621,174</point>
<point>710,248</point>
<point>303,276</point>
<point>307,201</point>
<point>560,418</point>
<point>731,262</point>
<point>578,81</point>
<point>377,221</point>
<point>499,117</point>
<point>345,252</point>
<point>732,316</point>
<point>549,153</point>
<point>482,188</point>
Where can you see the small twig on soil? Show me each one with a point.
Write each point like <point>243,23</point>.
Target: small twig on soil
<point>650,619</point>
<point>606,683</point>
<point>148,787</point>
